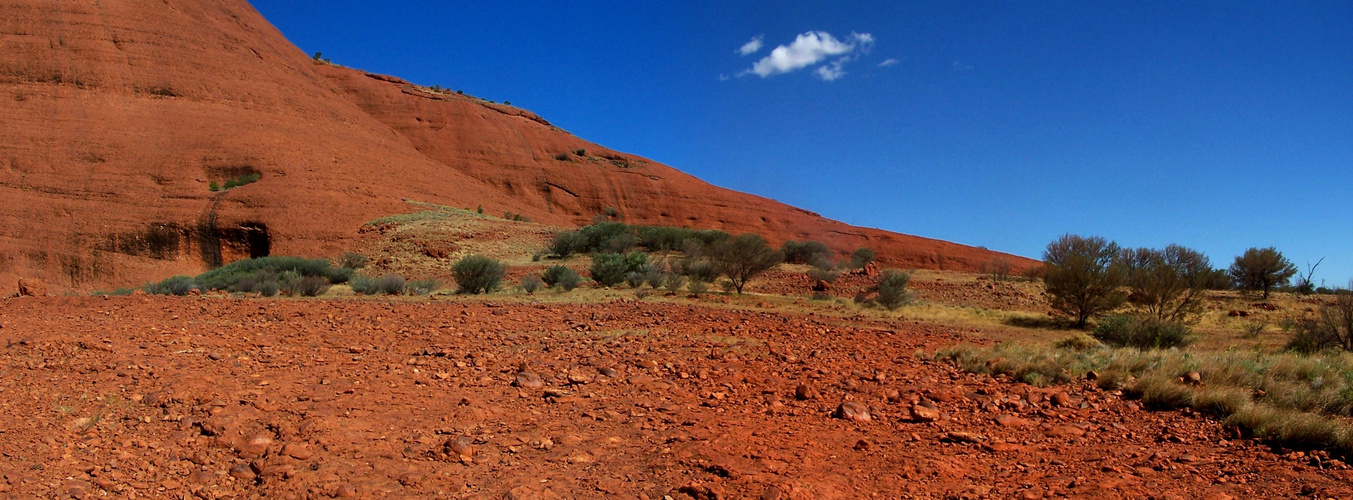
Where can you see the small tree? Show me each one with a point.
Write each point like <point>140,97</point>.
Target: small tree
<point>743,257</point>
<point>1304,284</point>
<point>1261,269</point>
<point>861,257</point>
<point>477,274</point>
<point>892,289</point>
<point>1333,328</point>
<point>1167,284</point>
<point>1083,275</point>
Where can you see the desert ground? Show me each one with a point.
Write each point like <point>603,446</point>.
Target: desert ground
<point>595,393</point>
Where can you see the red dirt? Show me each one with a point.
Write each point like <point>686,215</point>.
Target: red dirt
<point>116,116</point>
<point>217,397</point>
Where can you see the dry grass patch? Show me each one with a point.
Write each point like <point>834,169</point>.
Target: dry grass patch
<point>1295,400</point>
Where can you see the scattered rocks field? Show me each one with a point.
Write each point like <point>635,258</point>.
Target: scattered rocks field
<point>214,397</point>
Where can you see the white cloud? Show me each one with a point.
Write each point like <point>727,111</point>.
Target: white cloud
<point>829,72</point>
<point>812,48</point>
<point>752,47</point>
<point>889,62</point>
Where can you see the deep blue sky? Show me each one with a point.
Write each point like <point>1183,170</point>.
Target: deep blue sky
<point>1218,126</point>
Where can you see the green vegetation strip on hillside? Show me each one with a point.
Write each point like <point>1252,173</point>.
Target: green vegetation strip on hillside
<point>1292,399</point>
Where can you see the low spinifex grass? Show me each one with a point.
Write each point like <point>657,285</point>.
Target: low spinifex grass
<point>1296,400</point>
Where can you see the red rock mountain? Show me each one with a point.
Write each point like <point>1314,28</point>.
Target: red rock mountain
<point>116,118</point>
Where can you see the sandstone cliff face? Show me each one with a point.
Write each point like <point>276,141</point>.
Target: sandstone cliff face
<point>116,118</point>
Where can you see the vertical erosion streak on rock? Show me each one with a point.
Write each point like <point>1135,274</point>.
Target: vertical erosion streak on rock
<point>208,238</point>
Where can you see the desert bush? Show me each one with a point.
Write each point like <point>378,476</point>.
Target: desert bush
<point>176,285</point>
<point>804,252</point>
<point>663,238</point>
<point>673,282</point>
<point>567,243</point>
<point>289,281</point>
<point>892,289</point>
<point>1167,284</point>
<point>1261,270</point>
<point>352,260</point>
<point>389,284</point>
<point>556,274</point>
<point>225,277</point>
<point>362,284</point>
<point>701,270</point>
<point>861,257</point>
<point>1331,329</point>
<point>824,274</point>
<point>531,283</point>
<point>697,287</point>
<point>424,286</point>
<point>742,258</point>
<point>1083,276</point>
<point>610,269</point>
<point>561,157</point>
<point>1122,330</point>
<point>634,279</point>
<point>477,274</point>
<point>311,286</point>
<point>580,152</point>
<point>610,237</point>
<point>998,269</point>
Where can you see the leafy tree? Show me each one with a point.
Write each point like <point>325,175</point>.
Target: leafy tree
<point>1083,275</point>
<point>1261,269</point>
<point>743,257</point>
<point>1167,284</point>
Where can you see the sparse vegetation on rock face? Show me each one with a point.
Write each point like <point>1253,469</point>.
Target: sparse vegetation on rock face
<point>1083,276</point>
<point>1262,270</point>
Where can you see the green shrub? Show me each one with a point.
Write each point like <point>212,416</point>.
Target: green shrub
<point>532,283</point>
<point>892,289</point>
<point>561,278</point>
<point>311,286</point>
<point>580,152</point>
<point>176,285</point>
<point>1121,330</point>
<point>610,269</point>
<point>861,257</point>
<point>567,243</point>
<point>477,274</point>
<point>634,279</point>
<point>363,285</point>
<point>225,277</point>
<point>806,252</point>
<point>561,157</point>
<point>422,287</point>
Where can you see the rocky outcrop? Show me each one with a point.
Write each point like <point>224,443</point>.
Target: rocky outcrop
<point>118,119</point>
